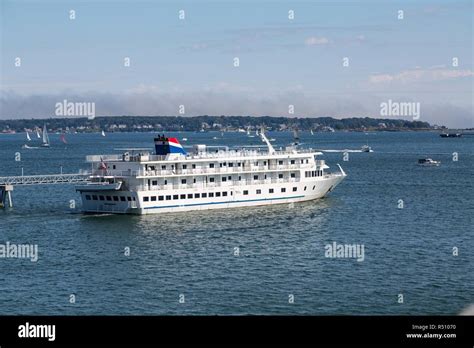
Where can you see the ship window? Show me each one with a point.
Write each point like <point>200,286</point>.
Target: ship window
<point>161,198</point>
<point>246,192</point>
<point>224,193</point>
<point>280,162</point>
<point>220,165</point>
<point>183,181</point>
<point>224,178</point>
<point>122,198</point>
<point>239,164</point>
<point>255,163</point>
<point>211,165</point>
<point>292,162</point>
<point>185,166</point>
<point>302,161</point>
<point>166,182</point>
<point>163,167</point>
<point>270,191</point>
<point>231,193</point>
<point>153,198</point>
<point>307,161</point>
<point>190,195</point>
<point>129,198</point>
<point>293,175</point>
<point>211,194</point>
<point>113,167</point>
<point>88,197</point>
<point>283,189</point>
<point>134,199</point>
<point>231,164</point>
<point>194,166</point>
<point>264,163</point>
<point>154,182</point>
<point>211,179</point>
<point>182,196</point>
<point>196,195</point>
<point>280,176</point>
<point>259,192</point>
<point>152,167</point>
<point>168,198</point>
<point>218,194</point>
<point>294,189</point>
<point>94,197</point>
<point>194,180</point>
<point>240,178</point>
<point>101,198</point>
<point>108,198</point>
<point>255,177</point>
<point>175,196</point>
<point>146,199</point>
<point>204,195</point>
<point>314,187</point>
<point>305,188</point>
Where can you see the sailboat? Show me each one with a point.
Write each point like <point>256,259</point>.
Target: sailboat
<point>45,137</point>
<point>63,138</point>
<point>37,134</point>
<point>28,136</point>
<point>296,137</point>
<point>103,133</point>
<point>312,132</point>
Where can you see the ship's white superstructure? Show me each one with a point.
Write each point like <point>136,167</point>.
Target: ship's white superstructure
<point>139,182</point>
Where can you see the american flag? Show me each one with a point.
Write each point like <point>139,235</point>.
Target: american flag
<point>102,165</point>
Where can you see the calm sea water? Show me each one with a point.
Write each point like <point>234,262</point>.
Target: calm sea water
<point>408,251</point>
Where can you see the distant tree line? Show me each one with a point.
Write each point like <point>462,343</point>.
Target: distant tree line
<point>197,123</point>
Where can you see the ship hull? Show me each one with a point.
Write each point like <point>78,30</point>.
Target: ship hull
<point>123,202</point>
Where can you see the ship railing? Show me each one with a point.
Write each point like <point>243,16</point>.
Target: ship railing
<point>226,184</point>
<point>206,155</point>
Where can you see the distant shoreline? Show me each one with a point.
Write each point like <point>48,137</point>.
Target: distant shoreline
<point>214,123</point>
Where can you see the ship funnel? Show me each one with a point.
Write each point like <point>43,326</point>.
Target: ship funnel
<point>165,146</point>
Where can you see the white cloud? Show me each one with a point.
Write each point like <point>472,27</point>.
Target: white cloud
<point>408,76</point>
<point>313,41</point>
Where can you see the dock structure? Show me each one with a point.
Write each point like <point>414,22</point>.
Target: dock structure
<point>8,182</point>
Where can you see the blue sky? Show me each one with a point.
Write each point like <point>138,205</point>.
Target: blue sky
<point>282,61</point>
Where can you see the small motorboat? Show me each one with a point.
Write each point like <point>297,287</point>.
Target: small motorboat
<point>366,148</point>
<point>450,135</point>
<point>428,162</point>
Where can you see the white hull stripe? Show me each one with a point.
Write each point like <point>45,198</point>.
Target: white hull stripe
<point>226,202</point>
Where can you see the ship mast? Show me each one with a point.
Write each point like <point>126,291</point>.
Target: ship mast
<point>271,150</point>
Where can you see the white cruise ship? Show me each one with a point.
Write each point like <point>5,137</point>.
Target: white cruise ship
<point>212,177</point>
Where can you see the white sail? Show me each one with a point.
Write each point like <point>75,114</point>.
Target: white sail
<point>103,133</point>
<point>45,137</point>
<point>28,136</point>
<point>37,134</point>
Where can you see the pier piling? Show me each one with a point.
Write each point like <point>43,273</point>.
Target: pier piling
<point>6,196</point>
